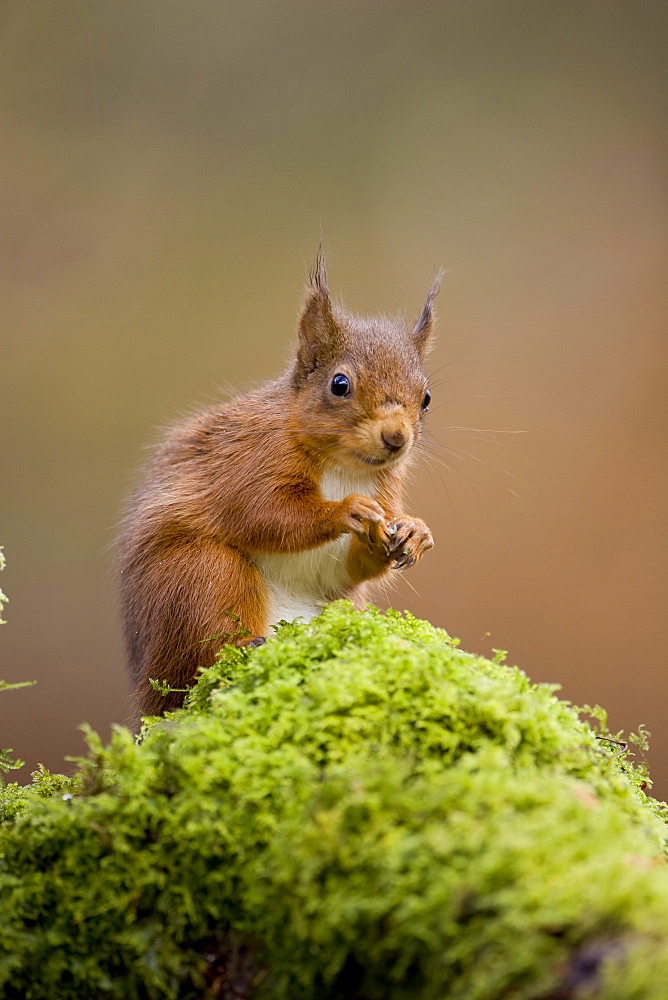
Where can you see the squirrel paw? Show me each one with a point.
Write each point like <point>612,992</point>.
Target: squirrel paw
<point>361,515</point>
<point>252,643</point>
<point>406,539</point>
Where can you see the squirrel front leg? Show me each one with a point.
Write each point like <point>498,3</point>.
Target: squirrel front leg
<point>408,540</point>
<point>288,523</point>
<point>395,544</point>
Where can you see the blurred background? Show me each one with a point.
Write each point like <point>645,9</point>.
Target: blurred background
<point>166,167</point>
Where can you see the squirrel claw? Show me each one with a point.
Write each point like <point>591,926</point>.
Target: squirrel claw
<point>405,541</point>
<point>399,535</point>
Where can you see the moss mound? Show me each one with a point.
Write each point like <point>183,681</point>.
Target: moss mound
<point>357,809</point>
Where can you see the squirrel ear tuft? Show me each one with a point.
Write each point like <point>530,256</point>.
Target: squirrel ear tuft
<point>317,274</point>
<point>423,329</point>
<point>316,322</point>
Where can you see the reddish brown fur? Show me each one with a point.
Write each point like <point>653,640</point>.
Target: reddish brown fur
<point>243,479</point>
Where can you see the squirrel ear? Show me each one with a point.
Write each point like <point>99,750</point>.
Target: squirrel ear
<point>316,322</point>
<point>424,327</point>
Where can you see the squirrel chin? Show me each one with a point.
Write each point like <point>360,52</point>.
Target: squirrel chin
<point>368,462</point>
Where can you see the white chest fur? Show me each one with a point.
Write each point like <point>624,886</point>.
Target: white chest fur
<point>300,583</point>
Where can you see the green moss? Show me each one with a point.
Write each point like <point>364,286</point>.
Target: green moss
<point>356,809</point>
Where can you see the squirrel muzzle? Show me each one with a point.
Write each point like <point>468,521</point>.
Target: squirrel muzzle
<point>383,438</point>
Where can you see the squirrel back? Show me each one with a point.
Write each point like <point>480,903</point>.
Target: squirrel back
<point>268,506</point>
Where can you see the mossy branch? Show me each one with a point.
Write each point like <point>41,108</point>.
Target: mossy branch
<point>356,809</point>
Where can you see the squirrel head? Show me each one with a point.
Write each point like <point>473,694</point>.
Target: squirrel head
<point>360,386</point>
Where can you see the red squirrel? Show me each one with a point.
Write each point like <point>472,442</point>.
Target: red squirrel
<point>266,507</point>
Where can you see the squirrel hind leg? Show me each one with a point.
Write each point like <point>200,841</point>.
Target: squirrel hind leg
<point>199,598</point>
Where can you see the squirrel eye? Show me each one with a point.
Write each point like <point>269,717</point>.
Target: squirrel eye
<point>340,385</point>
<point>426,401</point>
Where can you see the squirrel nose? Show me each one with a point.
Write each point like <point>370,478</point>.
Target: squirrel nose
<point>393,440</point>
